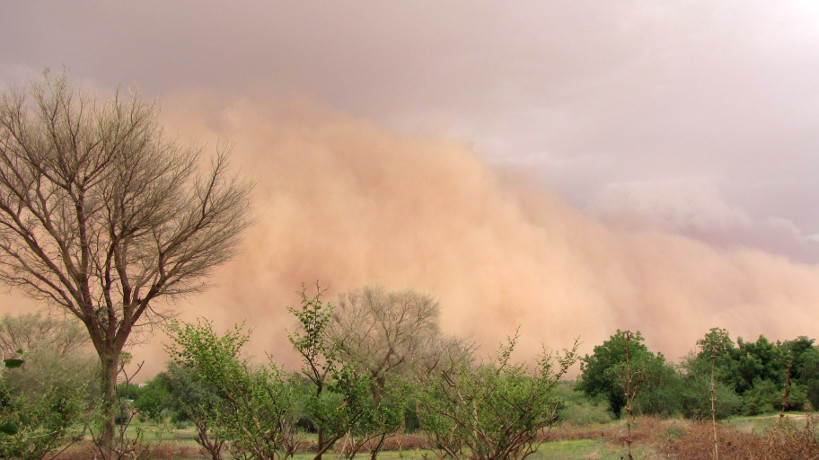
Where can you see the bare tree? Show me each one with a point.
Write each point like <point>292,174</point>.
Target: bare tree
<point>33,331</point>
<point>101,215</point>
<point>383,334</point>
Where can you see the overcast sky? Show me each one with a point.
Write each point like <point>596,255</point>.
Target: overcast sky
<point>698,116</point>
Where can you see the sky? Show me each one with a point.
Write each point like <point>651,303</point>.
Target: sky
<point>572,167</point>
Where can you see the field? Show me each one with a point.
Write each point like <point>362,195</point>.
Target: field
<point>740,437</point>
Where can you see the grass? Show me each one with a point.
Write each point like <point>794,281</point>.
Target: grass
<point>170,443</point>
<point>578,449</point>
<point>758,423</point>
<point>740,438</point>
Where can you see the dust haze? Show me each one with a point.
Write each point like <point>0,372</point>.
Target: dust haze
<point>344,202</point>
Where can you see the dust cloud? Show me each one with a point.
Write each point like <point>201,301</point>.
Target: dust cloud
<point>344,202</point>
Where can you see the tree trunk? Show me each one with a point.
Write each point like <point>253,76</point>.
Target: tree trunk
<point>377,448</point>
<point>109,361</point>
<point>320,442</point>
<point>714,406</point>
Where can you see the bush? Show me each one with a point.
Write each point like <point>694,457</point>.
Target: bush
<point>797,398</point>
<point>584,413</point>
<point>155,400</point>
<point>663,399</point>
<point>496,409</point>
<point>43,419</point>
<point>695,399</point>
<point>578,409</point>
<point>785,442</point>
<point>763,397</point>
<point>257,410</point>
<point>46,399</point>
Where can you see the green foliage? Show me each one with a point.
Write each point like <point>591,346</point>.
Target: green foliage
<point>129,391</point>
<point>577,408</point>
<point>763,397</point>
<point>258,410</point>
<point>12,363</point>
<point>310,340</point>
<point>491,410</point>
<point>661,394</point>
<point>319,369</point>
<point>756,371</point>
<point>192,399</point>
<point>695,398</point>
<point>761,360</point>
<point>44,392</point>
<point>371,419</point>
<point>601,372</point>
<point>799,350</point>
<point>808,369</point>
<point>716,343</point>
<point>38,418</point>
<point>155,400</point>
<point>40,421</point>
<point>337,393</point>
<point>796,399</point>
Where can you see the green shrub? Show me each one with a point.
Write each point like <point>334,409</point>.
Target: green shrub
<point>577,408</point>
<point>762,398</point>
<point>584,413</point>
<point>43,419</point>
<point>155,400</point>
<point>663,399</point>
<point>796,398</point>
<point>695,399</point>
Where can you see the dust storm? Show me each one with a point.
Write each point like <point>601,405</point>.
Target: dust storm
<point>342,201</point>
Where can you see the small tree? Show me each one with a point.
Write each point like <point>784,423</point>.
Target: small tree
<point>180,394</point>
<point>717,342</point>
<point>631,380</point>
<point>602,372</point>
<point>101,215</point>
<point>319,367</point>
<point>492,410</point>
<point>260,410</point>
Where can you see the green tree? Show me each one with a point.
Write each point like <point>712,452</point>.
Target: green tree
<point>195,400</point>
<point>156,401</point>
<point>751,361</point>
<point>320,367</point>
<point>601,371</point>
<point>808,370</point>
<point>100,214</point>
<point>661,394</point>
<point>796,349</point>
